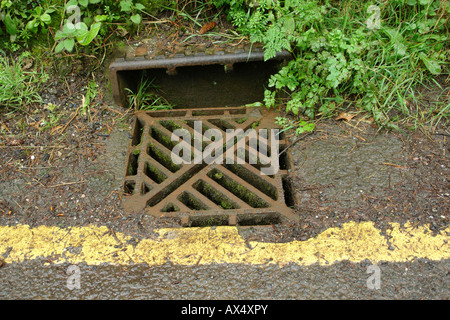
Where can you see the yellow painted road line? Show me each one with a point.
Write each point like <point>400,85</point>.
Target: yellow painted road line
<point>192,246</point>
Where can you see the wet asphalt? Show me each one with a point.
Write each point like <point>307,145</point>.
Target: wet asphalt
<point>420,279</point>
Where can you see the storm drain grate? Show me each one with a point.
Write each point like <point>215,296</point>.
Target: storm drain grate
<point>200,190</point>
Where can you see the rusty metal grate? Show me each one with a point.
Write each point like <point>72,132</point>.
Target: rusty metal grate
<point>200,193</point>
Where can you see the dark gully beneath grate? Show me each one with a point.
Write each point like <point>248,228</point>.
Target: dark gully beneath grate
<point>201,192</point>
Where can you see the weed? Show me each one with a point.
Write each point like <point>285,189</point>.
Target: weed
<point>339,56</point>
<point>299,126</point>
<point>91,93</point>
<point>146,97</point>
<point>17,86</point>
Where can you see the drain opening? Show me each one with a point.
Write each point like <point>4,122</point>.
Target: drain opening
<point>145,188</point>
<point>253,179</point>
<point>191,202</point>
<point>133,163</point>
<point>215,196</point>
<point>237,189</point>
<point>222,124</point>
<point>170,125</point>
<point>154,173</point>
<point>240,120</point>
<point>209,84</point>
<point>251,157</point>
<point>208,221</point>
<point>162,138</point>
<point>191,123</point>
<point>289,192</point>
<point>170,207</point>
<point>129,187</point>
<point>158,197</point>
<point>162,158</point>
<point>138,132</point>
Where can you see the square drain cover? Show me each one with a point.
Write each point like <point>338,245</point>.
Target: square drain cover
<point>243,181</point>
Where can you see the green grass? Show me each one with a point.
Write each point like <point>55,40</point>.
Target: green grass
<point>18,86</point>
<point>146,97</point>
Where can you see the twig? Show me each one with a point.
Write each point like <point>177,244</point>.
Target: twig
<point>74,116</point>
<point>394,165</point>
<point>296,140</point>
<point>66,184</point>
<point>442,134</point>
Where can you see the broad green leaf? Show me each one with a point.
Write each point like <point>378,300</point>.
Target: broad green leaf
<point>82,37</point>
<point>94,1</point>
<point>136,18</point>
<point>432,65</point>
<point>125,5</point>
<point>100,18</point>
<point>86,37</point>
<point>69,43</point>
<point>83,3</point>
<point>139,6</point>
<point>59,47</point>
<point>31,25</point>
<point>59,35</point>
<point>10,24</point>
<point>68,28</point>
<point>38,11</point>
<point>71,3</point>
<point>46,18</point>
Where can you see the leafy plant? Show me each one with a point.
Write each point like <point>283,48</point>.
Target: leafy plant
<point>41,18</point>
<point>52,119</point>
<point>339,58</point>
<point>22,19</point>
<point>91,93</point>
<point>128,6</point>
<point>299,126</point>
<point>80,22</point>
<point>94,13</point>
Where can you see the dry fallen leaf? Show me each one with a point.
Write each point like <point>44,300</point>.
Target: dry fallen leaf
<point>140,51</point>
<point>346,116</point>
<point>207,27</point>
<point>28,65</point>
<point>14,142</point>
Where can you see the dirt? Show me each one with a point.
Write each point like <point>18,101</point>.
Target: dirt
<point>175,34</point>
<point>71,173</point>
